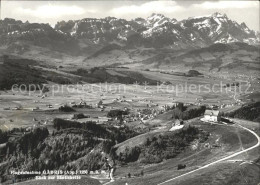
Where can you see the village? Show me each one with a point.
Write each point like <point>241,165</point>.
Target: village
<point>139,110</point>
<point>139,116</point>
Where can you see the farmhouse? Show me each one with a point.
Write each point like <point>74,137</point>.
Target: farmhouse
<point>177,124</point>
<point>212,115</point>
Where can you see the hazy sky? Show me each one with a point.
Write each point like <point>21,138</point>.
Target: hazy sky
<point>53,11</point>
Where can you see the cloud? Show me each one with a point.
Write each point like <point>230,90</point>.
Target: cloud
<point>53,11</point>
<point>227,4</point>
<point>149,7</point>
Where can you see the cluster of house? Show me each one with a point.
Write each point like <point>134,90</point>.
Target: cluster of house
<point>140,116</point>
<point>212,116</point>
<point>84,104</point>
<point>165,108</point>
<point>121,100</point>
<point>146,114</point>
<point>81,104</point>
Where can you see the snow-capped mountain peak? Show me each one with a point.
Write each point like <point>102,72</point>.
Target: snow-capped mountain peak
<point>155,31</point>
<point>217,14</point>
<point>156,16</point>
<point>156,20</point>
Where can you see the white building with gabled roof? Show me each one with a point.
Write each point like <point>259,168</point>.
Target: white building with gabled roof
<point>212,115</point>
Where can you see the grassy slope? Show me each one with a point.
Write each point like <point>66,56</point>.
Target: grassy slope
<point>218,58</point>
<point>228,142</point>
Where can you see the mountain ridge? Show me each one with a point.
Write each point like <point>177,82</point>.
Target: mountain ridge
<point>155,31</point>
<point>88,40</point>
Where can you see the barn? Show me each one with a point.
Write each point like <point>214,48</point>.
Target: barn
<point>212,115</point>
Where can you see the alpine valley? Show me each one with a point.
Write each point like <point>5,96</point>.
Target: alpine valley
<point>206,43</point>
<point>143,101</point>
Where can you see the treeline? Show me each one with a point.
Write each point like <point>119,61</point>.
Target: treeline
<point>80,116</point>
<point>66,108</point>
<point>37,150</point>
<point>123,133</point>
<point>3,136</point>
<point>105,131</point>
<point>249,111</point>
<point>28,142</point>
<point>101,75</point>
<point>90,126</point>
<point>58,79</point>
<point>21,151</point>
<point>16,72</point>
<point>65,148</point>
<point>21,71</point>
<point>116,113</point>
<point>30,152</point>
<point>159,148</point>
<point>185,113</point>
<point>193,73</point>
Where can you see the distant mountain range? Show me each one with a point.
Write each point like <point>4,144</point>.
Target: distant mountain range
<point>135,40</point>
<point>155,31</point>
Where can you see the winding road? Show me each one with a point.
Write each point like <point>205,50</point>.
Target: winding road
<point>223,159</point>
